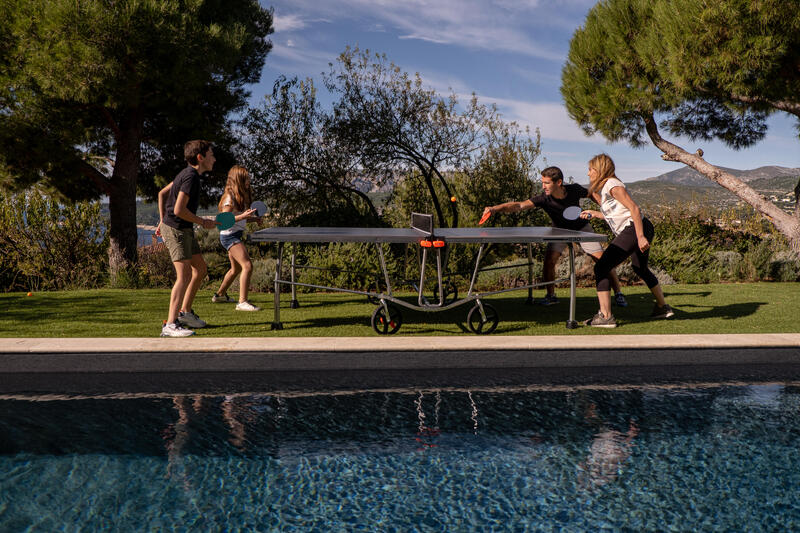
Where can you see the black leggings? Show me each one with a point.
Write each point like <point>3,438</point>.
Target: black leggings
<point>623,246</point>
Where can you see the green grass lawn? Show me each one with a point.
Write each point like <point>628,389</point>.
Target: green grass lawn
<point>713,308</point>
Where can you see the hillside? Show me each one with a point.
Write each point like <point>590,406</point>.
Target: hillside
<point>686,186</point>
<point>689,176</point>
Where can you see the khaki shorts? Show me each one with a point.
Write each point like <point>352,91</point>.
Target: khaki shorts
<point>181,243</point>
<point>588,247</point>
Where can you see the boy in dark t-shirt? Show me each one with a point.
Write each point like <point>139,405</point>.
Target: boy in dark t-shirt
<point>555,198</point>
<point>177,207</point>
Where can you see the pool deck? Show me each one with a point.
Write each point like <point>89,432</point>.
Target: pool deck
<point>254,354</point>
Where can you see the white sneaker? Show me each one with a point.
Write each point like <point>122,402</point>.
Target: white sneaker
<point>247,306</point>
<point>175,330</point>
<point>189,318</point>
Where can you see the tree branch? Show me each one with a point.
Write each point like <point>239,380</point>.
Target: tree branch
<point>787,224</point>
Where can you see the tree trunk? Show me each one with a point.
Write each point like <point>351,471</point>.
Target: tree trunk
<point>448,196</point>
<point>436,205</point>
<point>122,252</point>
<point>787,224</point>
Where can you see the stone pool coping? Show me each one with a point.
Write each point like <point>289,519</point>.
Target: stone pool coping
<point>265,354</point>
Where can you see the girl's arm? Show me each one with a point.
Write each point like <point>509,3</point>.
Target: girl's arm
<point>245,215</point>
<point>591,213</point>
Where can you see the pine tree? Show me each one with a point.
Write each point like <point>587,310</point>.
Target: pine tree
<point>97,97</point>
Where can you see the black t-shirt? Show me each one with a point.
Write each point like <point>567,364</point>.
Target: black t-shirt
<point>555,206</point>
<point>188,181</point>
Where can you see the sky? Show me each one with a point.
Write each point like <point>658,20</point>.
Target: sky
<point>507,52</point>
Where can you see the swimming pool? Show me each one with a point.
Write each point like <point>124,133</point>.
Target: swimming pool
<point>702,456</point>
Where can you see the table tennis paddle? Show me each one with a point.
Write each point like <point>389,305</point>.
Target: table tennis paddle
<point>485,217</point>
<point>573,212</point>
<point>260,207</point>
<point>226,220</point>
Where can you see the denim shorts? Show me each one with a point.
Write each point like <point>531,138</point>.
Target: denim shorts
<point>231,239</point>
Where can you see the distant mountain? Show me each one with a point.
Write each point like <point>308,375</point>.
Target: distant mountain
<point>690,177</point>
<point>686,186</point>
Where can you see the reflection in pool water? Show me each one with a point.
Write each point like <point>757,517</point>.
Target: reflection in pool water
<point>721,457</point>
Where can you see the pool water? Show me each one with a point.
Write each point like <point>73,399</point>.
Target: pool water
<point>658,458</point>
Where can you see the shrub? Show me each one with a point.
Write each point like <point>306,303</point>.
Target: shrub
<point>154,268</point>
<point>784,266</point>
<point>45,244</point>
<point>686,258</point>
<point>349,265</point>
<point>755,263</point>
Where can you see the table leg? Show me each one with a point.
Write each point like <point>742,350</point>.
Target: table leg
<point>276,320</point>
<point>571,323</point>
<point>294,304</point>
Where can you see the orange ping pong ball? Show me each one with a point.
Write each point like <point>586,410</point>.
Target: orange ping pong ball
<point>30,294</point>
<point>453,199</point>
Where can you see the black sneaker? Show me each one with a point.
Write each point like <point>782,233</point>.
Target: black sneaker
<point>619,300</point>
<point>662,312</point>
<point>600,321</point>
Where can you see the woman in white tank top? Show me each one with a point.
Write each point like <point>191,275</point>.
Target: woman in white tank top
<point>632,236</point>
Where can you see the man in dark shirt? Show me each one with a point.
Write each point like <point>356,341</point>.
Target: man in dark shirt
<point>177,206</point>
<point>555,198</point>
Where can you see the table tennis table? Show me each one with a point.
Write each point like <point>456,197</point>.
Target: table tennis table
<point>482,318</point>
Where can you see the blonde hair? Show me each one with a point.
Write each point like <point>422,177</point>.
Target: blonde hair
<point>238,188</point>
<point>604,166</point>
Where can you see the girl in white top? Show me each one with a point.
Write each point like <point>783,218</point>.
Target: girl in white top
<point>235,199</point>
<point>633,234</point>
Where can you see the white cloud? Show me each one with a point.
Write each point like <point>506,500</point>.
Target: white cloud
<point>287,23</point>
<point>550,117</point>
<point>476,24</point>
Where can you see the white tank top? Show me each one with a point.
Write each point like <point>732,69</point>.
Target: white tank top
<point>239,225</point>
<point>617,215</point>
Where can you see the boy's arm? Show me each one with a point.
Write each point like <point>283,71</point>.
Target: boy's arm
<point>162,201</point>
<point>183,212</point>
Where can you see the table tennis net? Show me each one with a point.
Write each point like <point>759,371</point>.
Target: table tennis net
<point>422,222</point>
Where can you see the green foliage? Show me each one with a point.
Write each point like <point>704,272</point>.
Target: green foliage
<point>505,170</point>
<point>299,165</point>
<point>348,265</point>
<point>46,245</point>
<point>400,127</point>
<point>154,268</point>
<point>99,97</point>
<point>263,278</point>
<point>165,71</point>
<point>710,69</point>
<point>687,258</point>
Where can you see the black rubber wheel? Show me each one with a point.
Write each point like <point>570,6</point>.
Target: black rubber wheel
<point>476,322</point>
<point>450,292</point>
<point>383,326</point>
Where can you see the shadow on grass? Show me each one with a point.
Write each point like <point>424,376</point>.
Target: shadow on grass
<point>514,315</point>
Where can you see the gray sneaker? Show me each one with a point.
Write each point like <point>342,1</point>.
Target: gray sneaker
<point>619,300</point>
<point>600,321</point>
<point>175,330</point>
<point>549,299</point>
<point>662,312</point>
<point>190,319</point>
<point>221,299</point>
